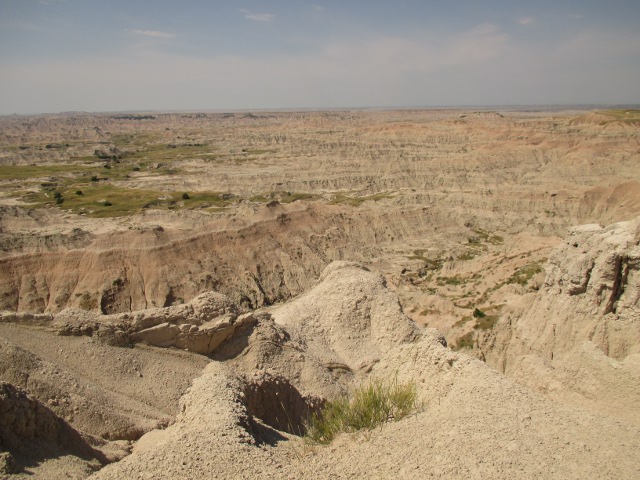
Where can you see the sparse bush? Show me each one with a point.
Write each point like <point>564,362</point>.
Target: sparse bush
<point>185,196</point>
<point>79,192</point>
<point>368,407</point>
<point>477,313</point>
<point>107,203</point>
<point>94,178</point>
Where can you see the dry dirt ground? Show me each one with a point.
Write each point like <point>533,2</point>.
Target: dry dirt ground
<point>115,230</point>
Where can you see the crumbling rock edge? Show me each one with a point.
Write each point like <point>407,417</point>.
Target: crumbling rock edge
<point>578,339</point>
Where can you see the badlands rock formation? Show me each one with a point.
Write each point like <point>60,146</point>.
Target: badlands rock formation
<point>578,340</point>
<point>180,292</point>
<point>274,198</point>
<point>474,421</point>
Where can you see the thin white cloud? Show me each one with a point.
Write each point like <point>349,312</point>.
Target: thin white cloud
<point>153,33</point>
<point>524,21</point>
<point>482,66</point>
<point>319,8</point>
<point>257,17</point>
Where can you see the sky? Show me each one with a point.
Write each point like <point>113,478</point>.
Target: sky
<point>140,55</point>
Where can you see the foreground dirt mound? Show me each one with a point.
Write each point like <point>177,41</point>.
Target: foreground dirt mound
<point>273,368</point>
<point>475,422</point>
<point>31,433</point>
<point>110,392</point>
<point>579,340</point>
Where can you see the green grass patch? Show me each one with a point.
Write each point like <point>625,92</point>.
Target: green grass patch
<point>366,408</point>
<point>486,237</point>
<point>101,199</point>
<point>354,201</point>
<point>624,115</point>
<point>466,341</point>
<point>455,280</point>
<point>486,323</point>
<point>468,255</point>
<point>25,172</point>
<point>258,151</point>
<point>523,274</point>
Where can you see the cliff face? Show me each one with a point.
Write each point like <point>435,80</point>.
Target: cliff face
<point>581,332</point>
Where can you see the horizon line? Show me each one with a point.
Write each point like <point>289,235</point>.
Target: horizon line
<point>509,107</point>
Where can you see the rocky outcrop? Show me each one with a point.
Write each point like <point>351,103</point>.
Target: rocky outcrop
<point>583,323</point>
<point>348,318</point>
<point>200,326</point>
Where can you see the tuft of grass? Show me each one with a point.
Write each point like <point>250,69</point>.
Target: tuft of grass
<point>522,275</point>
<point>468,255</point>
<point>484,236</point>
<point>357,201</point>
<point>368,407</point>
<point>455,280</point>
<point>466,341</point>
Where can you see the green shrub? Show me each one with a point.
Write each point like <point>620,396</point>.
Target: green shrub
<point>477,313</point>
<point>368,407</point>
<point>185,196</point>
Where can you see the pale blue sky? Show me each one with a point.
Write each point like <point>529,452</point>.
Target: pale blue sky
<point>88,55</point>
